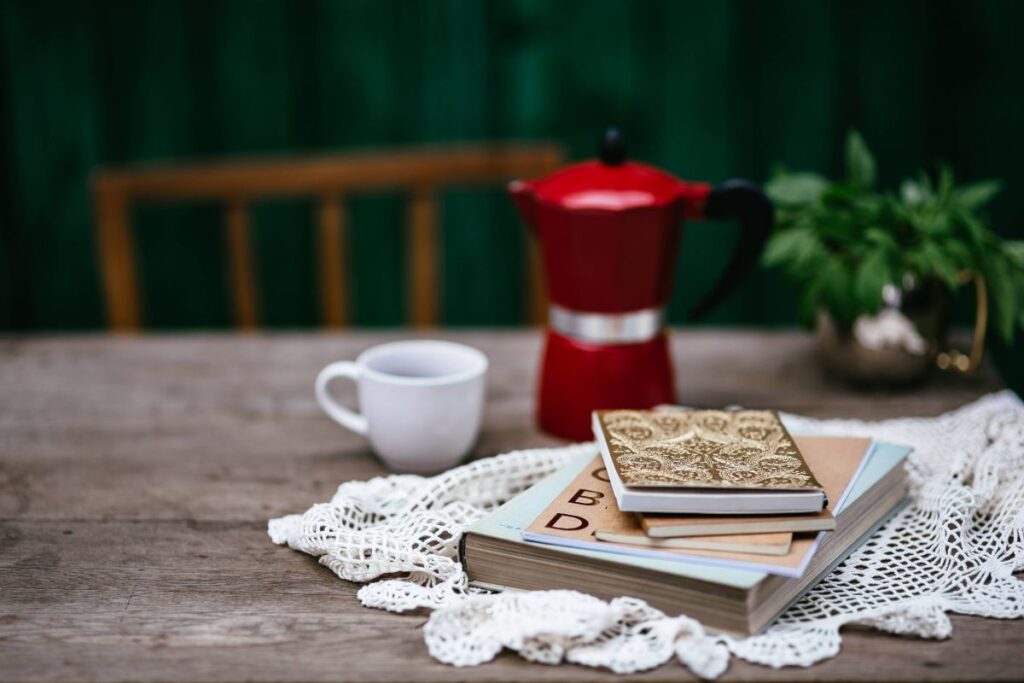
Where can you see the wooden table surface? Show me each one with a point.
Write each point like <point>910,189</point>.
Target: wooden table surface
<point>137,476</point>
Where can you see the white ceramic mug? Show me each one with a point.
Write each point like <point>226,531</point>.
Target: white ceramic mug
<point>421,401</point>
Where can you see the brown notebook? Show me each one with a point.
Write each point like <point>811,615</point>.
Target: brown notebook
<point>587,505</point>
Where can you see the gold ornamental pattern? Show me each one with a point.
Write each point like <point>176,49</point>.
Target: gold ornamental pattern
<point>704,448</point>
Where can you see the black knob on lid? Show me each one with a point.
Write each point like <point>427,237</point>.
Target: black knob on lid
<point>613,149</point>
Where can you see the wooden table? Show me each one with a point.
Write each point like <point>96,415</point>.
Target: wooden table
<point>137,475</point>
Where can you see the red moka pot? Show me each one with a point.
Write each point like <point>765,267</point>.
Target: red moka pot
<point>609,230</point>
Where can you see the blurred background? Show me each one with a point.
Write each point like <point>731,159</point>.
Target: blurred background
<point>707,90</point>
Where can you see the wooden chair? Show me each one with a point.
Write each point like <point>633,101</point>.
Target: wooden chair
<point>422,173</point>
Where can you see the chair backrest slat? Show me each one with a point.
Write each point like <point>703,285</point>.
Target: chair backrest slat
<point>240,262</point>
<point>332,252</point>
<point>422,173</point>
<point>537,292</point>
<point>117,248</point>
<point>422,245</point>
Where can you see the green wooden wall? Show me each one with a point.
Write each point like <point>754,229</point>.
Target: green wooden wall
<point>706,89</point>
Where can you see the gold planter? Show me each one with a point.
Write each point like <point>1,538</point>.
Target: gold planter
<point>905,340</point>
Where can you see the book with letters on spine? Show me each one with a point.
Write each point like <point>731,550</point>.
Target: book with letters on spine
<point>724,598</point>
<point>585,515</point>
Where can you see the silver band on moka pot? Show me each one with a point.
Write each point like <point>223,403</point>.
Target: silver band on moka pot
<point>634,327</point>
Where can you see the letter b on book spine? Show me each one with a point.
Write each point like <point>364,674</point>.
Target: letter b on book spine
<point>586,497</point>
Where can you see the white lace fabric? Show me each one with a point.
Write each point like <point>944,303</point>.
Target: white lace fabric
<point>955,548</point>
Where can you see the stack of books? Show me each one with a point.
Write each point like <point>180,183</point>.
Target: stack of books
<point>720,515</point>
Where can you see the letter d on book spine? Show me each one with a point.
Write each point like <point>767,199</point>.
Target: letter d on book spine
<point>580,523</point>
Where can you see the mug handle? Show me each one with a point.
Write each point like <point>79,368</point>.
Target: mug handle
<point>337,412</point>
<point>955,360</point>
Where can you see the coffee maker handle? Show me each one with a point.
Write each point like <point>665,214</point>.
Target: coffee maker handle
<point>746,202</point>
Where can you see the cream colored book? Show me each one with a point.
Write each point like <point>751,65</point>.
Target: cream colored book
<point>754,544</point>
<point>705,462</point>
<point>684,526</point>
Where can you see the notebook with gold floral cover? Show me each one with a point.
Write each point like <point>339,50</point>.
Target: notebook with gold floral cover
<point>705,461</point>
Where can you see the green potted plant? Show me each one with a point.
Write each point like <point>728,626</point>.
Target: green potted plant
<point>877,270</point>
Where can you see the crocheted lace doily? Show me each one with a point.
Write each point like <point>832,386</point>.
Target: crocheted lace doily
<point>954,549</point>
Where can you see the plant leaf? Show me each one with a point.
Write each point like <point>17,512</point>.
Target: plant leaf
<point>796,250</point>
<point>1002,288</point>
<point>959,254</point>
<point>945,185</point>
<point>837,292</point>
<point>880,238</point>
<point>795,188</point>
<point>860,165</point>
<point>935,261</point>
<point>872,275</point>
<point>977,194</point>
<point>1015,250</point>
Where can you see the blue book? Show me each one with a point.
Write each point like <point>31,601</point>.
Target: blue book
<point>722,596</point>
